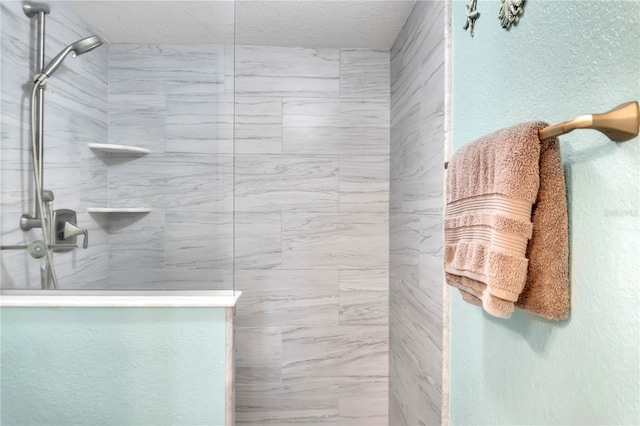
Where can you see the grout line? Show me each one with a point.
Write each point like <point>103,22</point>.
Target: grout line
<point>339,73</point>
<point>340,206</point>
<point>281,240</point>
<point>281,125</point>
<point>339,298</point>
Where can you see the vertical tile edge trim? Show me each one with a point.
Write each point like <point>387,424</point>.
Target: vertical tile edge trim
<point>446,291</point>
<point>230,385</point>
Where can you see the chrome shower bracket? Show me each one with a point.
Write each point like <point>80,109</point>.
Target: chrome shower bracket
<point>32,9</point>
<point>40,79</point>
<point>28,222</point>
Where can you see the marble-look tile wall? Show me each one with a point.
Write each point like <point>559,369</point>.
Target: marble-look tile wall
<point>75,114</point>
<point>177,101</point>
<point>312,202</point>
<point>307,227</point>
<point>416,277</point>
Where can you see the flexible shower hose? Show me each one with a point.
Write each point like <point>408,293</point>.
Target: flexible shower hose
<point>36,172</point>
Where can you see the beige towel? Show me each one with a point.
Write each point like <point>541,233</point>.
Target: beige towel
<point>506,233</point>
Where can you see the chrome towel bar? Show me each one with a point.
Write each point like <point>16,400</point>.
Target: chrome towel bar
<point>620,124</point>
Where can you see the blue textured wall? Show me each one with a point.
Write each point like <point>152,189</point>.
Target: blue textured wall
<point>124,366</point>
<point>565,58</point>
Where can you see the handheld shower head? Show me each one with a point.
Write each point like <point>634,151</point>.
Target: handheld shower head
<point>77,48</point>
<point>86,44</point>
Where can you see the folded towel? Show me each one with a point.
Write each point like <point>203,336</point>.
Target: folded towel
<point>506,232</point>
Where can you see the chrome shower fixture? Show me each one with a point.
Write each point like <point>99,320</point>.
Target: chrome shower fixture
<point>59,228</point>
<point>78,48</point>
<point>32,9</point>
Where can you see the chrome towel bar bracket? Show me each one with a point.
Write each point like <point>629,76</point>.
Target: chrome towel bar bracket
<point>619,125</point>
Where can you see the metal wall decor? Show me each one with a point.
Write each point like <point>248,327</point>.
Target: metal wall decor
<point>472,15</point>
<point>509,12</point>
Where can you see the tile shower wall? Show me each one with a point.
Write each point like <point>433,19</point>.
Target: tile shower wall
<point>75,114</point>
<point>312,201</point>
<point>311,207</point>
<point>177,101</point>
<point>416,277</point>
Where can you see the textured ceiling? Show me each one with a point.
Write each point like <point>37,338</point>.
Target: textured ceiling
<point>344,23</point>
<point>147,22</point>
<point>368,23</point>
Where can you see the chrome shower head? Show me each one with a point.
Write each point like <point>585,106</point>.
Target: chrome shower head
<point>86,44</point>
<point>77,48</point>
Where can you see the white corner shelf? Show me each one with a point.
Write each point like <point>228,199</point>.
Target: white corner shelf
<point>119,149</point>
<point>118,210</point>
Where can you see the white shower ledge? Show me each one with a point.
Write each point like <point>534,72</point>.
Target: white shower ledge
<point>122,149</point>
<point>118,210</point>
<point>124,298</point>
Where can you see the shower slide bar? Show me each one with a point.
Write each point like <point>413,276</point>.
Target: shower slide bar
<point>620,124</point>
<point>56,224</point>
<point>26,246</point>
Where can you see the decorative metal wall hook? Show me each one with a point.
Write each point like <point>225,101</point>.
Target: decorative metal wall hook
<point>472,15</point>
<point>509,12</point>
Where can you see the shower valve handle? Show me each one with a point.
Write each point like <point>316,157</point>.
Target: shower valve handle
<point>71,230</point>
